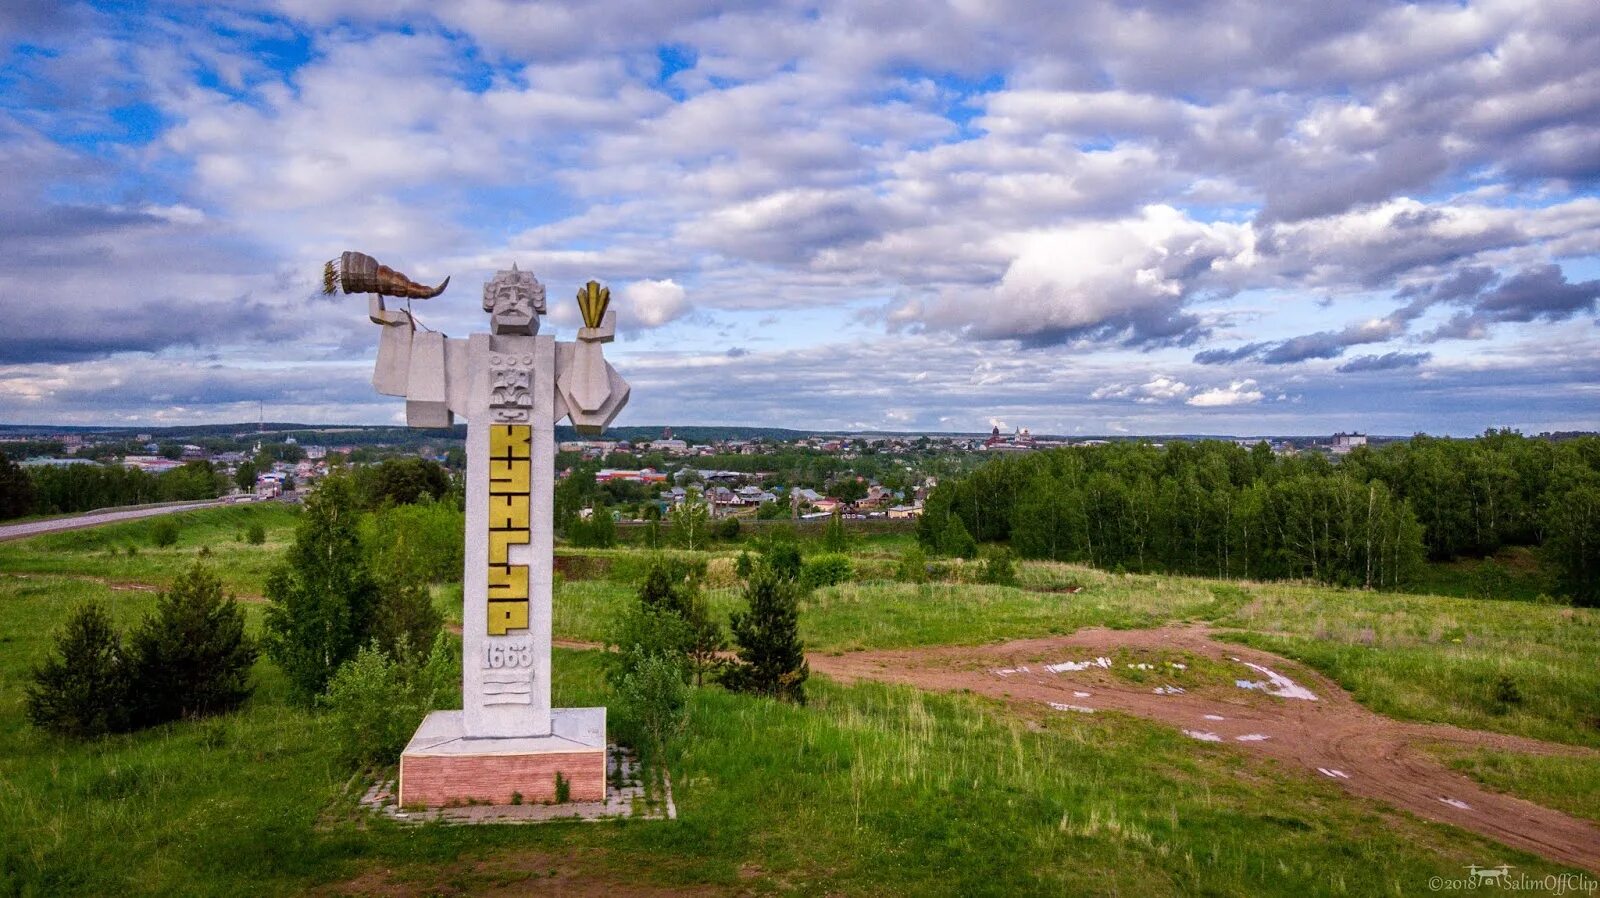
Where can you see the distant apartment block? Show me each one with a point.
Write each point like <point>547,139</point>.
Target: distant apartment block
<point>1344,442</point>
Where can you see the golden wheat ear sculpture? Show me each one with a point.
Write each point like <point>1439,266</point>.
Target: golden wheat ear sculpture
<point>593,300</point>
<point>360,273</point>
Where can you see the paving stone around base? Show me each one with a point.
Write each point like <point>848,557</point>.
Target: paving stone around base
<point>625,798</point>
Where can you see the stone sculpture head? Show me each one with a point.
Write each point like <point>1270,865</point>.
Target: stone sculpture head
<point>514,300</point>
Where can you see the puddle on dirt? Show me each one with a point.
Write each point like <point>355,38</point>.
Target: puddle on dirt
<point>1202,735</point>
<point>1059,706</point>
<point>1277,684</point>
<point>1457,803</point>
<point>1336,774</point>
<point>1252,737</point>
<point>1070,666</point>
<point>1168,690</point>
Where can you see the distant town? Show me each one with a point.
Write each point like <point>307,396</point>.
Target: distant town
<point>645,472</point>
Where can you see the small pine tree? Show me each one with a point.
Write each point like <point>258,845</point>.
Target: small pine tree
<point>772,658</point>
<point>256,534</point>
<point>956,541</point>
<point>191,658</point>
<point>81,690</point>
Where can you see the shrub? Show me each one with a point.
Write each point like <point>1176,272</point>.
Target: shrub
<point>400,481</point>
<point>782,558</point>
<point>164,532</point>
<point>654,699</point>
<point>191,658</point>
<point>669,583</point>
<point>645,631</point>
<point>999,567</point>
<point>956,542</point>
<point>378,700</point>
<point>825,570</point>
<point>81,689</point>
<point>834,538</point>
<point>727,529</point>
<point>913,566</point>
<point>598,531</point>
<point>771,657</point>
<point>744,565</point>
<point>256,534</point>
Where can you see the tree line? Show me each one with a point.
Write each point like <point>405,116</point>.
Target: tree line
<point>1217,509</point>
<point>70,488</point>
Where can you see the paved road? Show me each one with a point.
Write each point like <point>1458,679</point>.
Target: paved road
<point>96,518</point>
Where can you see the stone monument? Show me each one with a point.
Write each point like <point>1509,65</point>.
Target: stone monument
<point>511,385</point>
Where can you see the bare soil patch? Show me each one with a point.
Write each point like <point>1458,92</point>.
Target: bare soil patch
<point>1330,736</point>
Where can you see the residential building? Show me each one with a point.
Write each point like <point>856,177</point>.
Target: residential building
<point>1343,443</point>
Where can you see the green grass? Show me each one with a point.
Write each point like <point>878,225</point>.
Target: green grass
<point>868,789</point>
<point>102,552</point>
<point>1439,659</point>
<point>1570,784</point>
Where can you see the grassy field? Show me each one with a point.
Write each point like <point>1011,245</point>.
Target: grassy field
<point>1566,784</point>
<point>867,789</point>
<point>125,552</point>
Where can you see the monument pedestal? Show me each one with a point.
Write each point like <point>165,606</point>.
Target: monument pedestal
<point>443,766</point>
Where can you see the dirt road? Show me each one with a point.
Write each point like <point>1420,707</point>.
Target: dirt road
<point>96,518</point>
<point>1329,735</point>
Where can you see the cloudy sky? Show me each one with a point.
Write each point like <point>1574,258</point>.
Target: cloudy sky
<point>1096,217</point>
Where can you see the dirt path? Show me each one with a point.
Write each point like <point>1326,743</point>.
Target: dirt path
<point>1330,736</point>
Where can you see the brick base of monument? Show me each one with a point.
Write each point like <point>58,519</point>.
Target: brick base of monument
<point>442,767</point>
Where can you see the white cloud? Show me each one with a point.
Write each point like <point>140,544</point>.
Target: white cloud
<point>1161,388</point>
<point>1240,392</point>
<point>652,303</point>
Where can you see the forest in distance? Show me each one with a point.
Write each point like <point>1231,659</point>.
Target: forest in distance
<point>1216,509</point>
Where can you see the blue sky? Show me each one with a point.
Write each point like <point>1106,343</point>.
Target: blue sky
<point>1230,217</point>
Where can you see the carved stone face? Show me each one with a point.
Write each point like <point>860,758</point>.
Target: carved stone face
<point>514,300</point>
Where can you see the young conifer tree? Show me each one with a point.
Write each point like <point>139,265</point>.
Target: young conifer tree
<point>191,657</point>
<point>772,658</point>
<point>81,689</point>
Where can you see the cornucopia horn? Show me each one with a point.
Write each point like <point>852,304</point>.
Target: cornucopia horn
<point>360,273</point>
